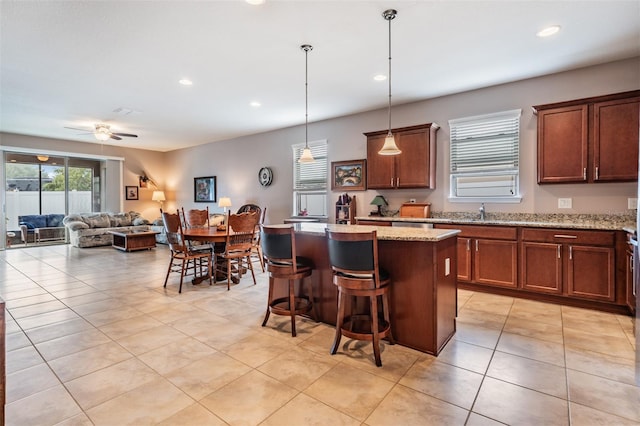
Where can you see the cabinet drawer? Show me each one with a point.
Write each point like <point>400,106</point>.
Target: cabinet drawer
<point>373,222</point>
<point>478,231</point>
<point>559,236</point>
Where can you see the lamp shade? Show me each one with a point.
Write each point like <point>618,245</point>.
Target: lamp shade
<point>306,156</point>
<point>158,196</point>
<point>224,202</point>
<point>389,147</point>
<point>379,201</point>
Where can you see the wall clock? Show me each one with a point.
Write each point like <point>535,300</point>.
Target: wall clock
<point>265,176</point>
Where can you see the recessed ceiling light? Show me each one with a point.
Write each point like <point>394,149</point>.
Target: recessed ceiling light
<point>255,2</point>
<point>185,82</point>
<point>255,104</point>
<point>549,31</point>
<point>380,77</point>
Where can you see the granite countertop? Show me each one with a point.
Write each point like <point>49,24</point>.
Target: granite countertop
<point>615,222</point>
<point>384,232</point>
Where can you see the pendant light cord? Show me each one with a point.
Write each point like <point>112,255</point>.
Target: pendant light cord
<point>389,19</point>
<point>306,97</point>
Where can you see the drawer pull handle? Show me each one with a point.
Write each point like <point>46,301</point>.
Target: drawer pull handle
<point>573,237</point>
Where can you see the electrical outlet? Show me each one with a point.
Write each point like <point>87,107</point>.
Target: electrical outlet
<point>632,203</point>
<point>564,203</point>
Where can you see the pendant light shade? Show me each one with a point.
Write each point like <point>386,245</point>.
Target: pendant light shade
<point>306,156</point>
<point>389,147</point>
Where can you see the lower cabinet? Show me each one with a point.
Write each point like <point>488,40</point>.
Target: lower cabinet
<point>487,254</point>
<point>631,264</point>
<point>578,264</point>
<point>586,267</point>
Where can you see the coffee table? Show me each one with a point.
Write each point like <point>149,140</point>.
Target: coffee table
<point>134,240</point>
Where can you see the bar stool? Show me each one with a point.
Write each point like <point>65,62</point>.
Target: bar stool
<point>356,273</point>
<point>279,248</point>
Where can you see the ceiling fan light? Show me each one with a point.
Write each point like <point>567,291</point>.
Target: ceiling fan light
<point>389,147</point>
<point>102,132</point>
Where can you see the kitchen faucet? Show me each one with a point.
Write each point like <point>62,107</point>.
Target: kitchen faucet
<point>482,211</point>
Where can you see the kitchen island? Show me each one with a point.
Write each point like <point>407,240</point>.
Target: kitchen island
<point>422,265</point>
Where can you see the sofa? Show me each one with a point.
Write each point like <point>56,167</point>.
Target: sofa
<point>92,229</point>
<point>41,227</point>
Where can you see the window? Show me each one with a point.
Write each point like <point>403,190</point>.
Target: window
<point>484,158</point>
<point>310,181</point>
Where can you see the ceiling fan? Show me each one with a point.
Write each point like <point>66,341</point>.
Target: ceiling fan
<point>102,132</point>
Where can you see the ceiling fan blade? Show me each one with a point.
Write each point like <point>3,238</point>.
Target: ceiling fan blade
<point>128,135</point>
<point>113,136</point>
<point>82,130</point>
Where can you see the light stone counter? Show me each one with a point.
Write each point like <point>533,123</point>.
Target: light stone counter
<point>384,232</point>
<point>567,221</point>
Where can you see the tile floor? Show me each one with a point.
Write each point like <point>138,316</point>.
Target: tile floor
<point>93,338</point>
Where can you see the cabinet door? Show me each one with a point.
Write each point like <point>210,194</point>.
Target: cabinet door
<point>413,165</point>
<point>464,259</point>
<point>591,272</point>
<point>380,168</point>
<point>495,262</point>
<point>615,140</point>
<point>562,144</point>
<point>541,267</point>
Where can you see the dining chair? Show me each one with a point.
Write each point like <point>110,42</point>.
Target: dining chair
<point>181,254</point>
<point>256,250</point>
<point>241,230</point>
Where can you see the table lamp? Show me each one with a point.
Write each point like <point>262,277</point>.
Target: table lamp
<point>224,202</point>
<point>159,197</point>
<point>379,201</point>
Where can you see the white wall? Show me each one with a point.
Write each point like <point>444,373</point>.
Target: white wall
<point>236,162</point>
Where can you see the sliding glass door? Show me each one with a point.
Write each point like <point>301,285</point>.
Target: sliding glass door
<point>47,185</point>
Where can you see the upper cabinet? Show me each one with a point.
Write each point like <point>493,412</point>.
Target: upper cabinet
<point>589,140</point>
<point>415,167</point>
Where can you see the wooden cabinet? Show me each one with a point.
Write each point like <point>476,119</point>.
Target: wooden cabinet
<point>415,167</point>
<point>589,140</point>
<point>487,254</point>
<point>578,264</point>
<point>374,222</point>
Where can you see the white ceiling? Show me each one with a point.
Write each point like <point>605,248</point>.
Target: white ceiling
<point>72,63</point>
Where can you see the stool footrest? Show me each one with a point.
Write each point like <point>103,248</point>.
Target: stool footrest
<point>359,327</point>
<point>281,306</point>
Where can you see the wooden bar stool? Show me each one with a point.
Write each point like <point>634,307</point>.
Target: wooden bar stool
<point>279,248</point>
<point>356,273</point>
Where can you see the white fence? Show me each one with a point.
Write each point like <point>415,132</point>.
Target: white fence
<point>20,203</point>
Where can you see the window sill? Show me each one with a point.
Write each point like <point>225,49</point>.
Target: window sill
<point>497,200</point>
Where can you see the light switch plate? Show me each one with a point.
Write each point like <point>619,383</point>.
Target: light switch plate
<point>564,203</point>
<point>632,203</point>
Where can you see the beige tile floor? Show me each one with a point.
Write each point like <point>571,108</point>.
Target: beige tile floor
<point>93,338</point>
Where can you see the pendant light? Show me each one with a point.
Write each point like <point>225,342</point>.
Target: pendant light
<point>306,156</point>
<point>389,147</point>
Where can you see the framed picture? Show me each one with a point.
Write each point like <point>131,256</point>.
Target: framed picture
<point>204,189</point>
<point>349,175</point>
<point>131,192</point>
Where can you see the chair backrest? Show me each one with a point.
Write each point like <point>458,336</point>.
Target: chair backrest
<point>354,254</point>
<point>279,247</point>
<point>195,218</point>
<point>173,229</point>
<point>250,208</point>
<point>241,230</point>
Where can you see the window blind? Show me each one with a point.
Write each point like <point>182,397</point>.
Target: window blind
<point>485,143</point>
<point>311,176</point>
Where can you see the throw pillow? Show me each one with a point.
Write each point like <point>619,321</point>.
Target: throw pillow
<point>74,225</point>
<point>120,219</point>
<point>140,221</point>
